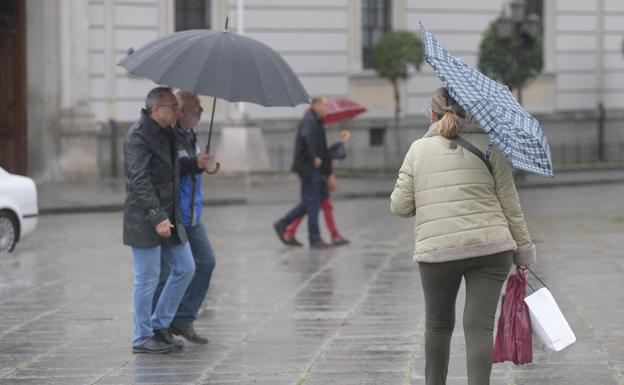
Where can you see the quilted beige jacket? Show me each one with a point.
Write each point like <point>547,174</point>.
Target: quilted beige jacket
<point>461,210</point>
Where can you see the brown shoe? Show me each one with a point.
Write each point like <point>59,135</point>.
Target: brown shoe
<point>189,334</point>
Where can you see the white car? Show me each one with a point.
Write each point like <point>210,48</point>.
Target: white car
<point>18,209</point>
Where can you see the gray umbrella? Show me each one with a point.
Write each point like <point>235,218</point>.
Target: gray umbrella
<point>220,64</point>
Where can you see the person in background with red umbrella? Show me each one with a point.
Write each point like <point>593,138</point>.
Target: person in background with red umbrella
<point>312,163</point>
<point>337,152</point>
<point>339,110</point>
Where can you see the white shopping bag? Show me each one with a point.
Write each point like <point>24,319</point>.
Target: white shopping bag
<point>550,327</point>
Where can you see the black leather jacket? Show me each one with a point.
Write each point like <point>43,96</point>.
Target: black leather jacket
<point>152,190</point>
<point>310,143</point>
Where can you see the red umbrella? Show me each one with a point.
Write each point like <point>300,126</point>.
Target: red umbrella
<point>342,109</point>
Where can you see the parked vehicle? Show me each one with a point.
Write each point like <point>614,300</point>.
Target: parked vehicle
<point>18,209</point>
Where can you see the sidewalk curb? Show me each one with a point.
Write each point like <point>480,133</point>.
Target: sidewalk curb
<point>119,207</point>
<point>568,183</point>
<point>104,208</point>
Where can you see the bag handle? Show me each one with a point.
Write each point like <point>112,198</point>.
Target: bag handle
<point>538,278</point>
<point>470,147</point>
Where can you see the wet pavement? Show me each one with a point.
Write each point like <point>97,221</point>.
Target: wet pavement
<point>349,315</point>
<point>108,194</point>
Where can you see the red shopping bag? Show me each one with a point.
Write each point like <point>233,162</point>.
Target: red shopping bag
<point>513,335</point>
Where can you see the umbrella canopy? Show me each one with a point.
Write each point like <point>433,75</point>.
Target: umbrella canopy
<point>519,135</point>
<point>342,109</point>
<point>220,64</point>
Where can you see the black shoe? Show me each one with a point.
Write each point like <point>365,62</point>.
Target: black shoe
<point>189,334</point>
<point>319,244</point>
<point>340,241</point>
<point>166,337</point>
<point>153,346</point>
<point>292,242</point>
<point>279,229</point>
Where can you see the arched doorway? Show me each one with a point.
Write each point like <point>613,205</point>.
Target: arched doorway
<point>13,139</point>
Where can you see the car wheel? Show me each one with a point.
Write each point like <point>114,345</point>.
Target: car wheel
<point>8,232</point>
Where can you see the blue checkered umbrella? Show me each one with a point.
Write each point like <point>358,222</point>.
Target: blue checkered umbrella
<point>519,135</point>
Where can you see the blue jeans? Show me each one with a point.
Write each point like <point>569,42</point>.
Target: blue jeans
<point>310,204</point>
<point>146,275</point>
<point>204,265</point>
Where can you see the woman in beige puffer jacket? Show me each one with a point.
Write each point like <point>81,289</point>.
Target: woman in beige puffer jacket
<point>468,224</point>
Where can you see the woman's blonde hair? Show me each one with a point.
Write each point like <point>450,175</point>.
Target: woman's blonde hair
<point>449,113</point>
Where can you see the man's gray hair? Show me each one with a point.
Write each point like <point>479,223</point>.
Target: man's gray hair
<point>182,95</point>
<point>316,99</point>
<point>156,97</point>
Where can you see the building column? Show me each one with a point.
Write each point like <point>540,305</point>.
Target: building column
<point>78,148</point>
<point>354,23</point>
<point>241,148</point>
<point>43,84</point>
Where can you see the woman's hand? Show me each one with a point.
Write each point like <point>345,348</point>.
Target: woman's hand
<point>522,270</point>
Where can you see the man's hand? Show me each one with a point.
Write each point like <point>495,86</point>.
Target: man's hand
<point>164,228</point>
<point>204,161</point>
<point>317,162</point>
<point>332,182</point>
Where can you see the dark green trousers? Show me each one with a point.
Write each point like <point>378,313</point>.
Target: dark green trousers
<point>441,281</point>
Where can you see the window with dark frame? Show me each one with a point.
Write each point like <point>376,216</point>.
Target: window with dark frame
<point>536,7</point>
<point>192,14</point>
<point>376,21</point>
<point>376,136</point>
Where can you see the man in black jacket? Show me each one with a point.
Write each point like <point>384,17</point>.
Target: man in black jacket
<point>153,224</point>
<point>312,162</point>
<point>189,153</point>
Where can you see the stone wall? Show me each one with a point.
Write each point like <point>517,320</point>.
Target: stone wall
<point>572,137</point>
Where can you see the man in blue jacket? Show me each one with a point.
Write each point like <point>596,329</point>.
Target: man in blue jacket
<point>152,223</point>
<point>312,163</point>
<point>191,208</point>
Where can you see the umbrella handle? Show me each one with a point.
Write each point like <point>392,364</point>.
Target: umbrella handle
<point>217,165</point>
<point>216,169</point>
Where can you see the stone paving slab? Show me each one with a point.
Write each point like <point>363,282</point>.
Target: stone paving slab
<point>274,315</point>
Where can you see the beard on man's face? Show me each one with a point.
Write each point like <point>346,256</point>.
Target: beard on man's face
<point>191,119</point>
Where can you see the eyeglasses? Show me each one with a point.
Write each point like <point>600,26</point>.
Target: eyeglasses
<point>173,106</point>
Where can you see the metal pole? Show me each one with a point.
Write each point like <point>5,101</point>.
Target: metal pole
<point>214,103</point>
<point>240,28</point>
<point>600,78</point>
<point>114,129</point>
<point>518,47</point>
<point>601,123</point>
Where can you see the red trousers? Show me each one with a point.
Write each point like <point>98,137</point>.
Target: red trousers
<point>328,213</point>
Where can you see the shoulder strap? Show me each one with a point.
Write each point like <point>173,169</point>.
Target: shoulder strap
<point>470,147</point>
<point>488,151</point>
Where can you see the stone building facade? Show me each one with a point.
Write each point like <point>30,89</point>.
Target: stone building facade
<point>75,89</point>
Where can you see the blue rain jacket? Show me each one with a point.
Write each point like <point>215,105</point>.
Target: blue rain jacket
<point>190,176</point>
